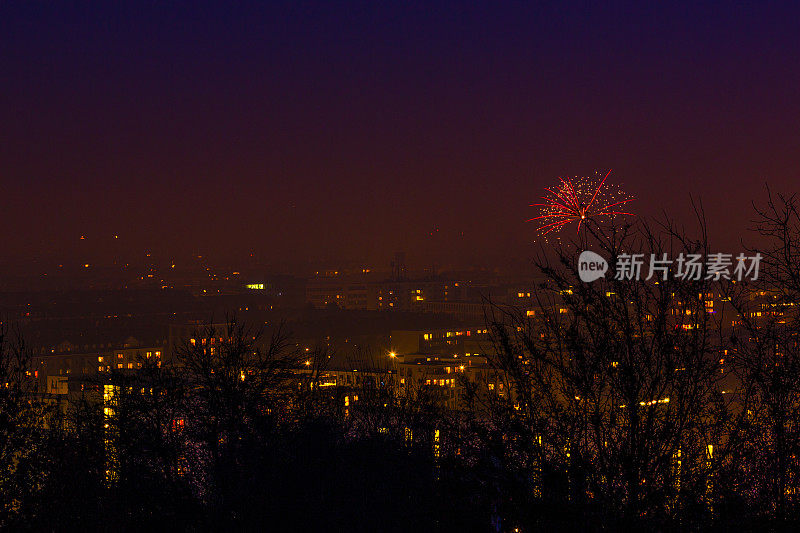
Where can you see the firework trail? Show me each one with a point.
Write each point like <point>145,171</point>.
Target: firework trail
<point>579,200</point>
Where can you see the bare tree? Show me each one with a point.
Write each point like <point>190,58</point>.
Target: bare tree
<point>614,382</point>
<point>25,424</point>
<point>242,389</point>
<point>763,469</point>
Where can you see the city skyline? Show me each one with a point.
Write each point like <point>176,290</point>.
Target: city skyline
<point>399,266</point>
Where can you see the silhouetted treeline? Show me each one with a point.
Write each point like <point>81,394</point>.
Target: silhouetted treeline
<point>626,404</point>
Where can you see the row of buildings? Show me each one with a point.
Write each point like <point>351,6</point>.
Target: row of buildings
<point>441,358</point>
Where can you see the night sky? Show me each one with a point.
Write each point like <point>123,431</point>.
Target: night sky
<point>346,131</point>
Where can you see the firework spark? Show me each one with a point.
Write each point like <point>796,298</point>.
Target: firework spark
<point>579,200</point>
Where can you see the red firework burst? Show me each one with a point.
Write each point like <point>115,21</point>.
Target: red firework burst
<point>579,200</point>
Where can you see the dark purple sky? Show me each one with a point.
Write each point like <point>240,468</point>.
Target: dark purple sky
<point>349,130</point>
